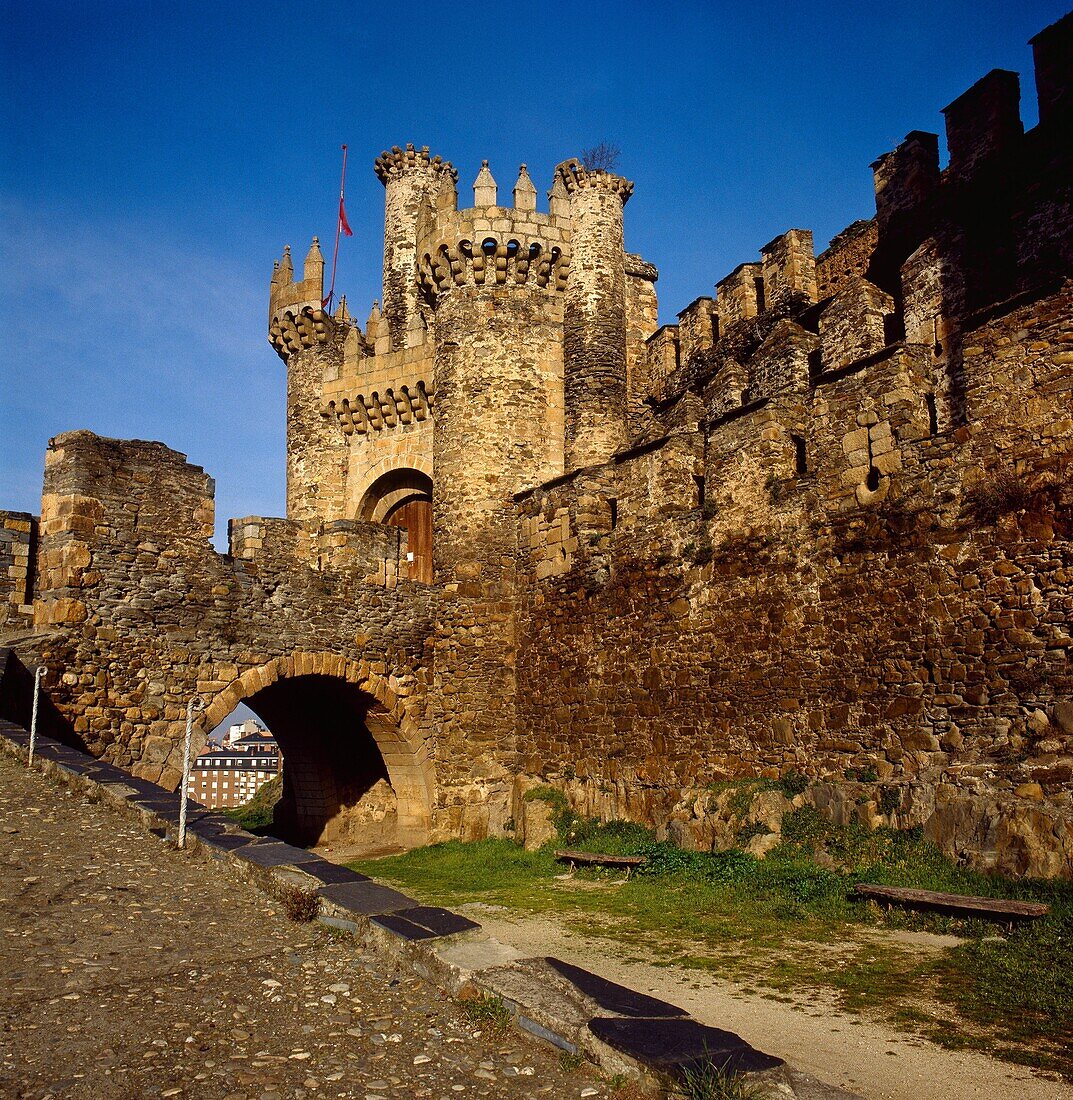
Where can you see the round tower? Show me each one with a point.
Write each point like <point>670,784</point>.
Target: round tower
<point>594,326</point>
<point>493,279</point>
<point>310,342</point>
<point>411,179</point>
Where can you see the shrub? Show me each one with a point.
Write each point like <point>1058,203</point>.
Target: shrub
<point>600,158</point>
<point>890,800</point>
<point>301,906</point>
<point>1002,494</point>
<point>793,783</point>
<point>561,814</point>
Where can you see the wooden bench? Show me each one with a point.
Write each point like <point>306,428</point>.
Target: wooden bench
<point>962,905</point>
<point>629,862</point>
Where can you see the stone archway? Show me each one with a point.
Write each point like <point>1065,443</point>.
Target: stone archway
<point>346,736</point>
<point>402,496</point>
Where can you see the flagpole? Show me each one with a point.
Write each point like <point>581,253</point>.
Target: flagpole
<point>338,229</point>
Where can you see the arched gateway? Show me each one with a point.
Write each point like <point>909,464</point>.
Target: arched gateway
<point>356,770</point>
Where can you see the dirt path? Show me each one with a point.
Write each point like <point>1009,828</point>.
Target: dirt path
<point>856,1053</point>
<point>130,969</point>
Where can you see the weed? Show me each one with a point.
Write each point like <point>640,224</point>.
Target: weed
<point>1002,494</point>
<point>890,800</point>
<point>753,829</point>
<point>793,783</point>
<point>301,906</point>
<point>569,1062</point>
<point>487,1012</point>
<point>709,1081</point>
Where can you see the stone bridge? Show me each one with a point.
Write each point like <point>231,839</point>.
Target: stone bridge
<point>136,614</point>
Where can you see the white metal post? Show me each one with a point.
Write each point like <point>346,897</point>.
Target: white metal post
<point>186,772</point>
<point>41,670</point>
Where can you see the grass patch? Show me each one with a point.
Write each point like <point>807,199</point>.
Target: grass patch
<point>709,1082</point>
<point>789,925</point>
<point>488,1013</point>
<point>255,816</point>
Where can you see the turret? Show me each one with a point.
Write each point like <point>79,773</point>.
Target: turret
<point>493,282</point>
<point>311,343</point>
<point>412,180</point>
<point>286,294</point>
<point>594,326</point>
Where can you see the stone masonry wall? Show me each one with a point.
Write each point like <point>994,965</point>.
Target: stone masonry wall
<point>18,535</point>
<point>135,613</point>
<point>914,627</point>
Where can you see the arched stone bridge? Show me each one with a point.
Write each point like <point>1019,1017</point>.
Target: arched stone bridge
<point>136,613</point>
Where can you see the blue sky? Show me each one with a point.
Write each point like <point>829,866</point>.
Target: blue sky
<point>155,157</point>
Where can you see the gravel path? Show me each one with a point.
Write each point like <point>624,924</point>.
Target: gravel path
<point>851,1051</point>
<point>129,969</point>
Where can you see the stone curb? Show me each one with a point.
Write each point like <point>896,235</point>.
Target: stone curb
<point>622,1031</point>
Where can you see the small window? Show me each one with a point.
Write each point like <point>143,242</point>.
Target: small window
<point>800,455</point>
<point>933,415</point>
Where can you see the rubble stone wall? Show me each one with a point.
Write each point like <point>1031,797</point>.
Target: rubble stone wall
<point>18,535</point>
<point>799,619</point>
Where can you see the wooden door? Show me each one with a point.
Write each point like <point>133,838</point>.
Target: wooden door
<point>416,517</point>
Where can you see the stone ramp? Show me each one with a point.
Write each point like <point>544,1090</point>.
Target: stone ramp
<point>580,1012</point>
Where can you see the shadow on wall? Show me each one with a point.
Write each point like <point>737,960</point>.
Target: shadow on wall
<point>336,790</point>
<point>17,698</point>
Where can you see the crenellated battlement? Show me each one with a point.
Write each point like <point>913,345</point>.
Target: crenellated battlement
<point>518,257</point>
<point>286,293</point>
<point>576,177</point>
<point>303,327</point>
<point>395,162</point>
<point>492,245</point>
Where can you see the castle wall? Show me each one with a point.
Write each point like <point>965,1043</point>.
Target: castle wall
<point>18,535</point>
<point>136,612</point>
<point>801,619</point>
<point>822,524</point>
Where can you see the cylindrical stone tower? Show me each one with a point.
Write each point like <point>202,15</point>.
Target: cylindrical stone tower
<point>497,301</point>
<point>594,326</point>
<point>412,180</point>
<point>307,339</point>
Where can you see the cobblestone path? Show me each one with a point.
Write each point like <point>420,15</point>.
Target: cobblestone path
<point>129,969</point>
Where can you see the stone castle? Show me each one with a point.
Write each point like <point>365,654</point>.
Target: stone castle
<point>820,525</point>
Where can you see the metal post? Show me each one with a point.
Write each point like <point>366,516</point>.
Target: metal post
<point>41,670</point>
<point>186,772</point>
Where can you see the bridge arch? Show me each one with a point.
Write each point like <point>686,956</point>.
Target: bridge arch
<point>350,747</point>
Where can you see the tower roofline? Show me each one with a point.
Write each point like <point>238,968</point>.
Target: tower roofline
<point>395,161</point>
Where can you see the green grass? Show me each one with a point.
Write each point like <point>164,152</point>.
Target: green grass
<point>488,1013</point>
<point>256,815</point>
<point>790,926</point>
<point>709,1082</point>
